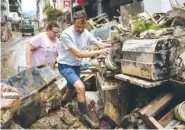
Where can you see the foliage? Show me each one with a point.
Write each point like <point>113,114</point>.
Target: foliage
<point>140,24</point>
<point>52,14</point>
<point>47,8</point>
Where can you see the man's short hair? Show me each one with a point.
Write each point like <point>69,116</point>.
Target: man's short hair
<point>80,15</point>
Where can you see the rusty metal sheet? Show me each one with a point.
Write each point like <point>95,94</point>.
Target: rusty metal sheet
<point>140,82</point>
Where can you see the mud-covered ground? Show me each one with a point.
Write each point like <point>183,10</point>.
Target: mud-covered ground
<point>13,54</point>
<point>59,119</point>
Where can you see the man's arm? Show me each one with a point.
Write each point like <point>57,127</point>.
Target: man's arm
<point>68,44</point>
<point>29,51</point>
<point>102,45</point>
<point>85,54</point>
<point>99,44</point>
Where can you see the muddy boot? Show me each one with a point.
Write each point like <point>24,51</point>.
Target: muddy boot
<point>84,118</point>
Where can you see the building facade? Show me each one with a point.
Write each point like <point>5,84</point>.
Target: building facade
<point>5,21</point>
<point>41,16</point>
<point>97,7</point>
<point>15,12</point>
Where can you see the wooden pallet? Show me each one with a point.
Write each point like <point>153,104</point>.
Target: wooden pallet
<point>149,112</point>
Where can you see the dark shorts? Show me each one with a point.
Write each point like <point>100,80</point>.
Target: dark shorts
<point>70,73</point>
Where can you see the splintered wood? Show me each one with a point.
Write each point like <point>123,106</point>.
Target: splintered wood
<point>98,21</point>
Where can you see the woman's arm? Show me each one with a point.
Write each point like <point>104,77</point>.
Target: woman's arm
<point>29,51</point>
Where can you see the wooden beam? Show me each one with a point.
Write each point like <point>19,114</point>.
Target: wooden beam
<point>152,18</point>
<point>167,118</point>
<point>153,123</point>
<point>149,106</point>
<point>88,77</point>
<point>159,104</point>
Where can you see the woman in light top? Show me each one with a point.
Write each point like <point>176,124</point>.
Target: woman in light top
<point>43,48</point>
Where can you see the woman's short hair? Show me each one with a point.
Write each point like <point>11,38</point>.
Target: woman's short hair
<point>51,25</point>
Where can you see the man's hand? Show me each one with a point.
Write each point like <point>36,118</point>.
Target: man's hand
<point>102,45</point>
<point>105,51</point>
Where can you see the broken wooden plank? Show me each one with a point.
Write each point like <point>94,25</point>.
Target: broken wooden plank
<point>139,82</point>
<point>87,77</point>
<point>153,123</point>
<point>150,121</point>
<point>87,72</point>
<point>167,118</point>
<point>91,22</point>
<point>152,18</point>
<point>99,16</point>
<point>158,105</point>
<point>149,106</point>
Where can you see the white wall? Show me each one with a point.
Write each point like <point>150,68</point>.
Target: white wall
<point>59,4</point>
<point>14,16</point>
<point>6,4</point>
<point>159,6</point>
<point>42,16</point>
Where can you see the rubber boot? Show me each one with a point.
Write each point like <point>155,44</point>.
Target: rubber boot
<point>85,118</point>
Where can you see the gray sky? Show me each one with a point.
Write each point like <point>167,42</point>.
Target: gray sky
<point>28,5</point>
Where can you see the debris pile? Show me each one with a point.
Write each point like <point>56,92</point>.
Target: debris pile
<point>149,54</point>
<point>10,103</point>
